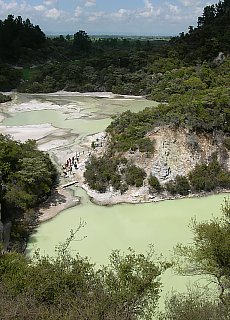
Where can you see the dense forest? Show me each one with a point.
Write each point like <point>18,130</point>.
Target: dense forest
<point>194,94</point>
<point>124,66</point>
<point>189,75</point>
<point>27,177</point>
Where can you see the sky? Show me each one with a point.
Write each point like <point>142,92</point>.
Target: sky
<point>133,17</point>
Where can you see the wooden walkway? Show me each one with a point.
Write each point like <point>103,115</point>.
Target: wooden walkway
<point>69,184</point>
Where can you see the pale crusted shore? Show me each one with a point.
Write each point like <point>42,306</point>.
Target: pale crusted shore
<point>59,200</point>
<point>141,195</point>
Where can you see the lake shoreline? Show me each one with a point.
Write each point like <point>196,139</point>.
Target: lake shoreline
<point>41,131</point>
<point>110,198</point>
<point>59,200</point>
<point>62,199</point>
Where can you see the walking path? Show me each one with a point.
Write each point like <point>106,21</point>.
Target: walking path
<point>72,171</point>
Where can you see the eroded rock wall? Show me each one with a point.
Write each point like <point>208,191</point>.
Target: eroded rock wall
<point>177,151</point>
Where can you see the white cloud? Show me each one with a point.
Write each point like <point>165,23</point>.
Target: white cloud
<point>78,12</point>
<point>173,9</point>
<point>40,8</point>
<point>8,6</point>
<point>96,15</point>
<point>189,3</point>
<point>148,11</point>
<point>121,14</point>
<point>50,2</point>
<point>90,3</point>
<point>53,13</point>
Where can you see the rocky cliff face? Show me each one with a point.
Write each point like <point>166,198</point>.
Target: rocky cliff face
<point>177,151</point>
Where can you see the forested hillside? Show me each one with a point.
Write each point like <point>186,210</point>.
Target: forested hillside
<point>210,37</point>
<point>195,96</point>
<point>27,176</point>
<point>193,88</point>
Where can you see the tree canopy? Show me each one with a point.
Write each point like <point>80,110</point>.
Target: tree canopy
<point>27,177</point>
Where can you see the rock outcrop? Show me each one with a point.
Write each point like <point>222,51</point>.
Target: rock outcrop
<point>177,152</point>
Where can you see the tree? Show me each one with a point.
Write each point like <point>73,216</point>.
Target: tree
<point>67,287</point>
<point>134,176</point>
<point>154,184</point>
<point>193,305</point>
<point>81,41</point>
<point>28,176</point>
<point>209,254</point>
<point>182,185</point>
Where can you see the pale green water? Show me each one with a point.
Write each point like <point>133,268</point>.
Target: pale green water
<point>95,113</point>
<point>163,224</point>
<point>59,120</point>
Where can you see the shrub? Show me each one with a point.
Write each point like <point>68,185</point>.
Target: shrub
<point>182,185</point>
<point>207,177</point>
<point>227,143</point>
<point>154,184</point>
<point>134,176</point>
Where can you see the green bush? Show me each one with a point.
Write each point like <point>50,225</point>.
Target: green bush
<point>154,184</point>
<point>170,187</point>
<point>71,288</point>
<point>134,176</point>
<point>207,177</point>
<point>227,143</point>
<point>182,185</point>
<point>103,172</point>
<point>4,98</point>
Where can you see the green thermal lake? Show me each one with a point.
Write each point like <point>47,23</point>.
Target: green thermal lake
<point>162,224</point>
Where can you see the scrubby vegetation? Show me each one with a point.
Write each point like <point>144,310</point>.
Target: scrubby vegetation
<point>207,177</point>
<point>194,89</point>
<point>4,98</point>
<point>154,184</point>
<point>9,77</point>
<point>27,177</point>
<point>179,186</point>
<point>106,171</point>
<point>204,177</point>
<point>103,172</point>
<point>68,287</point>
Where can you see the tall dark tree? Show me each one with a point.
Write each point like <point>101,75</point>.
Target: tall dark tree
<point>17,36</point>
<point>81,41</point>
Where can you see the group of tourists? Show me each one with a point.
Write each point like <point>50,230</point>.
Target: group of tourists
<point>73,162</point>
<point>70,164</point>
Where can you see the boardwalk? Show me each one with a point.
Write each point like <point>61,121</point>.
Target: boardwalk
<point>69,184</point>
